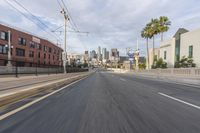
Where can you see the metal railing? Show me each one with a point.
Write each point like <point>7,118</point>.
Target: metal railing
<point>193,72</point>
<point>20,67</point>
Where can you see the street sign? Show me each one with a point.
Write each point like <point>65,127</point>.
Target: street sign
<point>35,39</point>
<point>64,56</point>
<point>130,54</point>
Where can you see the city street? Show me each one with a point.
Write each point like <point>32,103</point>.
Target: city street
<point>107,102</point>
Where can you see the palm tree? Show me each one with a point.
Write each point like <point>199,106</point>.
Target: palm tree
<point>164,24</point>
<point>154,30</point>
<point>146,33</point>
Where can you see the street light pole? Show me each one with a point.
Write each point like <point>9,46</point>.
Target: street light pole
<point>137,56</point>
<point>66,18</point>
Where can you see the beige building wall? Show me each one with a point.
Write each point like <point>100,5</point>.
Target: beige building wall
<point>188,39</point>
<point>157,54</point>
<point>169,47</point>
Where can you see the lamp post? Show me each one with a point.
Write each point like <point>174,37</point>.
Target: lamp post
<point>137,57</point>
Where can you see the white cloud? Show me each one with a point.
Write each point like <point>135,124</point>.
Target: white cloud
<point>111,23</point>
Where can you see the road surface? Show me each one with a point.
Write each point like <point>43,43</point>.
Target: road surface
<point>112,103</point>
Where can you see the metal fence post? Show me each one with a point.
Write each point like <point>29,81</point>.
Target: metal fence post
<point>36,71</point>
<point>16,70</point>
<point>48,69</point>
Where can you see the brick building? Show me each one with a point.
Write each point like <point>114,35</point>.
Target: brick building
<point>28,48</point>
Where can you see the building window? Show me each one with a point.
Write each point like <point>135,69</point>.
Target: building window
<point>45,48</point>
<point>31,54</point>
<point>21,41</point>
<point>20,52</point>
<point>49,56</point>
<point>44,56</point>
<point>190,51</point>
<point>50,49</point>
<point>165,55</point>
<point>38,54</point>
<point>39,46</point>
<point>54,51</point>
<point>32,45</point>
<point>3,49</point>
<point>4,35</point>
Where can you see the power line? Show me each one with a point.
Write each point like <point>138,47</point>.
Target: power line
<point>73,22</point>
<point>44,29</point>
<point>59,4</point>
<point>34,17</point>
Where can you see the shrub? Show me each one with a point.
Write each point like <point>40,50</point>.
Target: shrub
<point>159,64</point>
<point>185,63</point>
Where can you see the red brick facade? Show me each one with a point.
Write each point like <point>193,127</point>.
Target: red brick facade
<point>35,48</point>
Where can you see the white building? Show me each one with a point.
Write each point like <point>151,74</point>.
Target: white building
<point>190,46</point>
<point>184,43</point>
<point>103,53</point>
<point>156,53</point>
<point>167,52</point>
<point>74,58</point>
<point>99,53</point>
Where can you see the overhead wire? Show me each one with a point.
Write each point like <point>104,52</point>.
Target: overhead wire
<point>23,14</point>
<point>35,17</point>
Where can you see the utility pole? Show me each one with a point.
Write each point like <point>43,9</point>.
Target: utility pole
<point>137,56</point>
<point>9,49</point>
<point>66,18</point>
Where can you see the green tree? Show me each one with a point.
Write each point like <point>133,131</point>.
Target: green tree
<point>142,66</point>
<point>154,25</point>
<point>146,33</point>
<point>185,63</point>
<point>160,64</point>
<point>164,24</point>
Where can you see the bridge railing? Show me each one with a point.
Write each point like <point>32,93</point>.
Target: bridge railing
<point>194,72</point>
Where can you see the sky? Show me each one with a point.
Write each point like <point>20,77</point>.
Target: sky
<point>110,23</point>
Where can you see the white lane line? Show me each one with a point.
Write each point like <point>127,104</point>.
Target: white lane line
<point>181,101</point>
<point>122,79</point>
<point>37,100</point>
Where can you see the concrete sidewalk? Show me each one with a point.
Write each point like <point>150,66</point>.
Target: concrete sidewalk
<point>9,78</point>
<point>194,81</point>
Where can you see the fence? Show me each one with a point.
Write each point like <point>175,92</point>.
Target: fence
<point>19,67</point>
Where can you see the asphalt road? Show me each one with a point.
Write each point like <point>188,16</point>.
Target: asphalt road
<point>112,103</point>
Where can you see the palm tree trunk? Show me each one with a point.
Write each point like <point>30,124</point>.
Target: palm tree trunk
<point>147,53</point>
<point>161,36</point>
<point>153,49</point>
